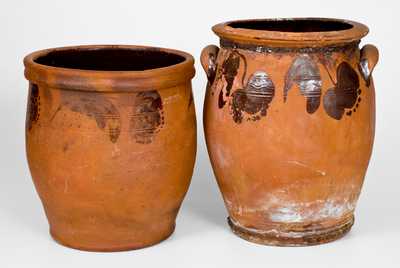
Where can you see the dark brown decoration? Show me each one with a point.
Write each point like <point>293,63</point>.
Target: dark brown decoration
<point>230,68</point>
<point>345,94</point>
<point>276,50</point>
<point>97,107</point>
<point>305,73</point>
<point>33,110</point>
<point>254,99</point>
<point>147,116</point>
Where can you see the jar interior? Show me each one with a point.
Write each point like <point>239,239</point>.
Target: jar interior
<point>293,25</point>
<point>110,59</point>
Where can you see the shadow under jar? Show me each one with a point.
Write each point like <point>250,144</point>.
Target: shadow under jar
<point>289,120</point>
<point>111,142</point>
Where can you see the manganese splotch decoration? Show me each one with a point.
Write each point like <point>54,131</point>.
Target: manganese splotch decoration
<point>344,96</point>
<point>305,73</point>
<point>253,100</point>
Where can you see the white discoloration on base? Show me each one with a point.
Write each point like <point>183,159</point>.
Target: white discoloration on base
<point>231,207</point>
<point>286,214</point>
<point>336,210</point>
<point>309,211</point>
<point>279,209</point>
<point>297,163</point>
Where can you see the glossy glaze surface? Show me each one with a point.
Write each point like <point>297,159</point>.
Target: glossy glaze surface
<point>289,129</point>
<point>111,153</point>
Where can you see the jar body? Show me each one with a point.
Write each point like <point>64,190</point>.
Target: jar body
<point>111,168</point>
<point>289,134</point>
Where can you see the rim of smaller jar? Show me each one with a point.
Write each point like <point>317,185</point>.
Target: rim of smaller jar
<point>109,81</point>
<point>276,38</point>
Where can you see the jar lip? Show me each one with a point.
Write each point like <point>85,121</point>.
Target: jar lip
<point>292,32</point>
<point>61,77</point>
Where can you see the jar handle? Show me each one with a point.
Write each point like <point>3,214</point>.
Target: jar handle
<point>208,60</point>
<point>369,56</point>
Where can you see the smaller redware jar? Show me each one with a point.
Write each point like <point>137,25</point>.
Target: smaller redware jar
<point>110,142</point>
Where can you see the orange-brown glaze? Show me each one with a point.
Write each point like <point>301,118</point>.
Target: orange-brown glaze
<point>111,158</point>
<point>291,169</point>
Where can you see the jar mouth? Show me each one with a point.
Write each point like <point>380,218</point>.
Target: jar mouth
<point>292,25</point>
<point>109,67</point>
<point>109,58</point>
<point>292,31</point>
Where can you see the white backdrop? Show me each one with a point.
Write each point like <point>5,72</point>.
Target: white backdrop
<point>202,237</point>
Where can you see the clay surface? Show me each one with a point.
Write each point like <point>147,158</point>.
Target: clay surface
<point>289,120</point>
<point>111,152</point>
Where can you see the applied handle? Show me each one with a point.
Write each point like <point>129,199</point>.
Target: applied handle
<point>369,56</point>
<point>208,60</point>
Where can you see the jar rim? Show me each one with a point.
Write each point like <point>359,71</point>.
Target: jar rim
<point>81,77</point>
<point>292,32</point>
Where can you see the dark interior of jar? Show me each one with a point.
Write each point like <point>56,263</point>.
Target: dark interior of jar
<point>110,59</point>
<point>293,25</point>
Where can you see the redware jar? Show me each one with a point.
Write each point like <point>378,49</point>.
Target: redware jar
<point>111,142</point>
<point>289,119</point>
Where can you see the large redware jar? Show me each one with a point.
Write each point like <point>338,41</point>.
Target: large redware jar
<point>111,142</point>
<point>289,119</point>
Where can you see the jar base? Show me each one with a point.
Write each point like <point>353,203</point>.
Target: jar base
<point>104,248</point>
<point>292,239</point>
